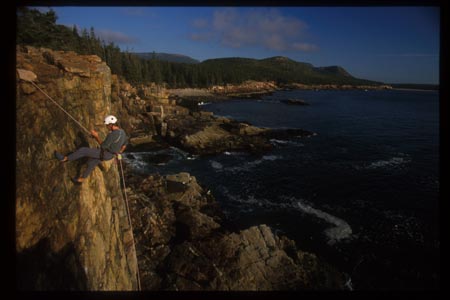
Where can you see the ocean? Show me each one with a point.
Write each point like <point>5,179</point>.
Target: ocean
<point>362,193</point>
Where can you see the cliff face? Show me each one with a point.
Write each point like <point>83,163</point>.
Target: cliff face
<point>67,236</point>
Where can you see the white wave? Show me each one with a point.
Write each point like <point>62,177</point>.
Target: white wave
<point>285,142</point>
<point>270,157</point>
<point>216,165</point>
<point>235,153</point>
<point>249,165</point>
<point>393,162</point>
<point>282,142</point>
<point>341,230</point>
<point>138,162</point>
<point>247,204</point>
<point>179,151</point>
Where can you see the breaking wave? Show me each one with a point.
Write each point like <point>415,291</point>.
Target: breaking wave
<point>394,162</point>
<point>136,160</point>
<point>246,167</point>
<point>216,165</point>
<point>339,231</point>
<point>285,142</point>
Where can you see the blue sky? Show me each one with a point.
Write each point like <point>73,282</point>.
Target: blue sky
<point>388,44</point>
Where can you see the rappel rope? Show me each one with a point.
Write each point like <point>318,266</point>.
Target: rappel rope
<point>119,158</point>
<point>60,107</point>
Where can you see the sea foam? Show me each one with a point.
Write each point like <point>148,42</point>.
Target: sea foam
<point>341,229</point>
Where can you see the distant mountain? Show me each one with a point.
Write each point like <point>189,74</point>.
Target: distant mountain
<point>281,69</point>
<point>278,68</point>
<point>333,70</point>
<point>177,58</point>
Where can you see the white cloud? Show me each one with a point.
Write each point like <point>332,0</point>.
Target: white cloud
<point>200,23</point>
<point>275,42</point>
<point>305,47</point>
<point>115,36</point>
<point>263,27</point>
<point>201,36</point>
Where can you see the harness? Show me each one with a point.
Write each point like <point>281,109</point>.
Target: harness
<point>102,150</point>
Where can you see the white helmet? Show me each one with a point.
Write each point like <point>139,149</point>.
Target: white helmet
<point>110,120</point>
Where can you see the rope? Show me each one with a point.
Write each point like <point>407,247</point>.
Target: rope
<point>129,218</point>
<point>59,106</point>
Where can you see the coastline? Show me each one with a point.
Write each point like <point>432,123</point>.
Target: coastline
<point>414,90</point>
<point>256,89</point>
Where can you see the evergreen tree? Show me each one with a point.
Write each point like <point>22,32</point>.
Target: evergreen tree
<point>35,28</point>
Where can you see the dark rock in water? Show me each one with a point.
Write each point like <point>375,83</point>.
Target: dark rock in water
<point>295,102</point>
<point>156,144</point>
<point>205,135</point>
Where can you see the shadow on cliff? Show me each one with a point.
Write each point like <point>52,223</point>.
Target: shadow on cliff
<point>38,268</point>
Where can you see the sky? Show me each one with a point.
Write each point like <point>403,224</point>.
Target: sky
<point>387,44</point>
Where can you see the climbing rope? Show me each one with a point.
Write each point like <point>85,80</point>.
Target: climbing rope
<point>128,213</point>
<point>60,107</point>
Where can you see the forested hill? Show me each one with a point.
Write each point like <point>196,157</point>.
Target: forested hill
<point>280,69</point>
<point>177,58</point>
<point>40,30</point>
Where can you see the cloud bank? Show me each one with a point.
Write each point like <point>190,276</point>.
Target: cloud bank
<point>115,37</point>
<point>266,28</point>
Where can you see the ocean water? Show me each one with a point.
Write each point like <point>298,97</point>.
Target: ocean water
<point>363,193</point>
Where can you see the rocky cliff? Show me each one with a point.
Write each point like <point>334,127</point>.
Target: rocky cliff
<point>68,237</point>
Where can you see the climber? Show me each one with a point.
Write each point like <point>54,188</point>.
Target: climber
<point>114,144</point>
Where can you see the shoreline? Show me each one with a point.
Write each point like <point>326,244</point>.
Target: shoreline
<point>198,95</point>
<point>415,90</point>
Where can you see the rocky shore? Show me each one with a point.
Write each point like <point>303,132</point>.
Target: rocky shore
<point>162,122</point>
<point>256,90</point>
<point>183,244</point>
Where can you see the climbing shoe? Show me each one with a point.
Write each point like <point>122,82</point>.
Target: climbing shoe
<point>75,180</point>
<point>59,156</point>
